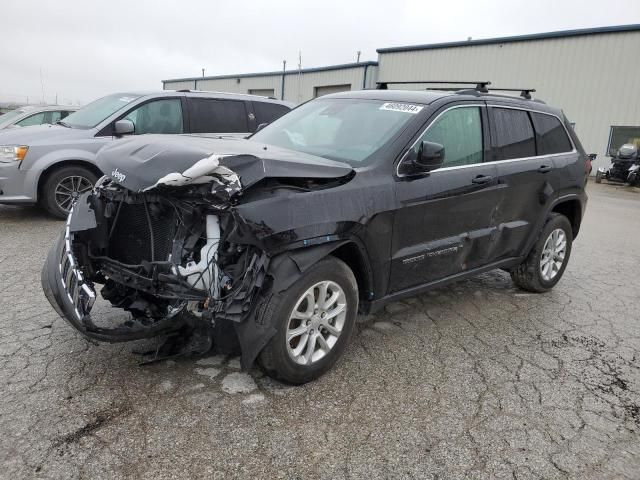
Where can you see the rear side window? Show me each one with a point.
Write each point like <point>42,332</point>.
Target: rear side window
<point>268,112</point>
<point>512,134</point>
<point>209,115</point>
<point>550,134</point>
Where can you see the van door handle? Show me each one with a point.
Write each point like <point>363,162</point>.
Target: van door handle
<point>545,169</point>
<point>482,179</point>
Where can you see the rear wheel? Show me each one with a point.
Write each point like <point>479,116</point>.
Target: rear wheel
<point>63,186</point>
<point>314,320</point>
<point>548,259</point>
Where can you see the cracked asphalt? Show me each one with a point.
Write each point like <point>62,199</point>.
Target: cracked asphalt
<point>475,380</point>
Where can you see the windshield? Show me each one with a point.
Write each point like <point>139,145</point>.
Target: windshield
<point>94,113</point>
<point>343,129</point>
<point>11,115</point>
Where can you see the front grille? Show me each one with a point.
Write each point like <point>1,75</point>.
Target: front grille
<point>130,241</point>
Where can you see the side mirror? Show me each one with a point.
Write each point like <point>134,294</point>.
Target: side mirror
<point>261,126</point>
<point>123,127</point>
<point>429,157</point>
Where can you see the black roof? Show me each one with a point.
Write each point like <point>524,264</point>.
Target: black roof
<point>426,97</point>
<point>516,38</point>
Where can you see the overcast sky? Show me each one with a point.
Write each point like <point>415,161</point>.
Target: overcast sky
<point>86,49</point>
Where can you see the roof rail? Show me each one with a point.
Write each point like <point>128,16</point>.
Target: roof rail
<point>480,86</point>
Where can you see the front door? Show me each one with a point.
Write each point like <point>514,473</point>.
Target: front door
<point>445,222</point>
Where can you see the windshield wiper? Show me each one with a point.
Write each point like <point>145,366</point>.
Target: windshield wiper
<point>60,122</point>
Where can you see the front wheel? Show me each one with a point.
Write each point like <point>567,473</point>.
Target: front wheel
<point>63,186</point>
<point>548,259</point>
<point>314,319</point>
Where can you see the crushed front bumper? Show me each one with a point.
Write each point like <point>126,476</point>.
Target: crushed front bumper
<point>64,284</point>
<point>73,296</point>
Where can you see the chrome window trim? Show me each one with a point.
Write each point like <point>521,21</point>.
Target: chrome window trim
<point>493,162</point>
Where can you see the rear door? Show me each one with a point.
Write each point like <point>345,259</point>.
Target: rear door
<point>523,143</point>
<point>444,224</point>
<point>219,116</point>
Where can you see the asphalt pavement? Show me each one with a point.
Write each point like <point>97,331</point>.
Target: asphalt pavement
<point>474,380</point>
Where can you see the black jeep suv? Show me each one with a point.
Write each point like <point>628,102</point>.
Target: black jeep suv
<point>345,203</point>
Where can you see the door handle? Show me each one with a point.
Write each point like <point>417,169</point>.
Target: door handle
<point>545,169</point>
<point>482,179</point>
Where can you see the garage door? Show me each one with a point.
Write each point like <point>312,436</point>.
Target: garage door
<point>327,89</point>
<point>263,92</point>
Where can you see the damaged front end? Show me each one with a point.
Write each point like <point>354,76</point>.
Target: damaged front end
<point>165,255</point>
<point>169,248</point>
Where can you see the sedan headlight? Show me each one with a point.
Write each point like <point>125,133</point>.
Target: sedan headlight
<point>11,153</point>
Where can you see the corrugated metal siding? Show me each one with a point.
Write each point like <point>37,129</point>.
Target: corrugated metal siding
<point>298,87</point>
<point>592,78</point>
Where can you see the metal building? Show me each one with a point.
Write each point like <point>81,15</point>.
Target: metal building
<point>298,85</point>
<point>592,74</point>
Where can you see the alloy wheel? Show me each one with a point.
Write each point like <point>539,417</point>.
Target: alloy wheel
<point>316,322</point>
<point>553,254</point>
<point>69,189</point>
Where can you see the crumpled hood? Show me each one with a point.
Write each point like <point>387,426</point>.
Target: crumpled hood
<point>137,163</point>
<point>41,135</point>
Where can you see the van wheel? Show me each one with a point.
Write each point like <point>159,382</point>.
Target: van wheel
<point>314,319</point>
<point>63,186</point>
<point>598,177</point>
<point>548,259</point>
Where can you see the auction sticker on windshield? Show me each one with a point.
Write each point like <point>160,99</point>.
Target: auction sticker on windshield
<point>401,107</point>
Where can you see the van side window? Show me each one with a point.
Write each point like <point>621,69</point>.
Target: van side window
<point>158,116</point>
<point>513,135</point>
<point>459,131</point>
<point>550,134</point>
<point>211,115</point>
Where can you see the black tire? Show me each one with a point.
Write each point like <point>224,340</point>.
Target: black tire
<point>528,275</point>
<point>48,194</point>
<point>598,177</point>
<point>274,358</point>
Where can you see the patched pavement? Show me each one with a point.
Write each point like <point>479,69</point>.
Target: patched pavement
<point>475,380</point>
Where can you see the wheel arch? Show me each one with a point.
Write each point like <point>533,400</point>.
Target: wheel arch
<point>62,164</point>
<point>572,209</point>
<point>288,266</point>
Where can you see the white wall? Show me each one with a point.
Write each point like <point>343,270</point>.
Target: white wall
<point>583,75</point>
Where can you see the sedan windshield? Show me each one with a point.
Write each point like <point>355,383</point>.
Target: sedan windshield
<point>94,113</point>
<point>10,115</point>
<point>343,129</point>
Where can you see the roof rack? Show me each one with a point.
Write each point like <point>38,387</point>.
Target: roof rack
<point>524,92</point>
<point>480,86</point>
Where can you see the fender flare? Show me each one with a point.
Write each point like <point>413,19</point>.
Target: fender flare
<point>545,214</point>
<point>284,269</point>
